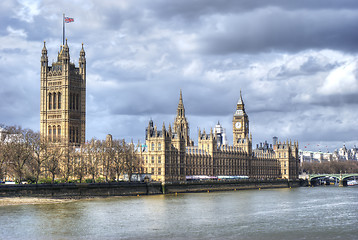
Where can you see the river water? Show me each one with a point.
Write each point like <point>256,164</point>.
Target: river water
<point>297,213</point>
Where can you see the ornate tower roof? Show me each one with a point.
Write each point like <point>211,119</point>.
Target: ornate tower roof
<point>240,101</point>
<point>181,109</point>
<point>82,52</point>
<point>240,107</point>
<point>181,126</point>
<point>44,49</point>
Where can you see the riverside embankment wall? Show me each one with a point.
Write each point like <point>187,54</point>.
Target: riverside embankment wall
<point>83,190</point>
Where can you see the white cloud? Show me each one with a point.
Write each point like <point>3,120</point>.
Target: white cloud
<point>16,32</point>
<point>193,69</point>
<point>342,80</point>
<point>27,10</point>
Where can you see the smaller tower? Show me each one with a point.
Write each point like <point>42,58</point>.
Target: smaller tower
<point>63,98</point>
<point>220,134</point>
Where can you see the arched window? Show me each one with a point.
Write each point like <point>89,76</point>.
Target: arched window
<point>73,101</point>
<point>59,100</point>
<point>77,136</point>
<point>59,131</point>
<point>70,100</point>
<point>77,101</point>
<point>70,134</point>
<point>54,101</point>
<point>54,133</point>
<point>50,132</point>
<point>50,101</point>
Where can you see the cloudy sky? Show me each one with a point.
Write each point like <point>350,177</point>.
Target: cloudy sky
<point>296,63</point>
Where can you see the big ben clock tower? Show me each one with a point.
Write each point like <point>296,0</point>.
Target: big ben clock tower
<point>240,124</point>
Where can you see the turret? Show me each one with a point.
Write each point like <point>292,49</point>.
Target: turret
<point>65,54</point>
<point>163,130</point>
<point>109,140</point>
<point>44,58</point>
<point>82,61</point>
<point>170,130</point>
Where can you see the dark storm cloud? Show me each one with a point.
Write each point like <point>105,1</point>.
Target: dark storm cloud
<point>273,29</point>
<point>189,9</point>
<point>337,100</point>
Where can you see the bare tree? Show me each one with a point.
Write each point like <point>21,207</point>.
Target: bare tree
<point>131,160</point>
<point>80,166</point>
<point>117,160</point>
<point>19,153</point>
<point>108,155</point>
<point>39,147</point>
<point>93,161</point>
<point>52,166</point>
<point>330,167</point>
<point>3,160</point>
<point>67,162</point>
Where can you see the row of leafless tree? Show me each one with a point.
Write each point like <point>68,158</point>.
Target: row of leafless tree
<point>330,167</point>
<point>25,155</point>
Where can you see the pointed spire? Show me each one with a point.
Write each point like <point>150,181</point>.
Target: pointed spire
<point>181,110</point>
<point>240,100</point>
<point>44,58</point>
<point>181,104</point>
<point>82,52</point>
<point>44,50</point>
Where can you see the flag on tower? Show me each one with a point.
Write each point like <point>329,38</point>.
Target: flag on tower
<point>68,20</point>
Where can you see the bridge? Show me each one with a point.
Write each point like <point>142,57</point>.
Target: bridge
<point>336,175</point>
<point>313,178</point>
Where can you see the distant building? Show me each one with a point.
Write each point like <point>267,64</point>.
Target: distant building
<point>7,137</point>
<point>170,155</point>
<point>346,154</point>
<point>310,156</point>
<point>342,154</point>
<point>221,135</point>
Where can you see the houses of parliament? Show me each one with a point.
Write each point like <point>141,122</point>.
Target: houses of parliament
<point>169,154</point>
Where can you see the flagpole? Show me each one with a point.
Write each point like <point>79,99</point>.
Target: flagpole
<point>63,30</point>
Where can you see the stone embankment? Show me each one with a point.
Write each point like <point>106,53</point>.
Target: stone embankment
<point>83,190</point>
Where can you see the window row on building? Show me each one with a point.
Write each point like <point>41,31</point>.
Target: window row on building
<point>74,135</point>
<point>54,100</point>
<point>159,147</point>
<point>74,101</point>
<point>54,132</point>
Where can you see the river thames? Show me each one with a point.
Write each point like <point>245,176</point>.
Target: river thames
<point>297,213</point>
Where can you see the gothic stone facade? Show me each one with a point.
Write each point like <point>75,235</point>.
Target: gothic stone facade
<point>63,98</point>
<point>170,155</point>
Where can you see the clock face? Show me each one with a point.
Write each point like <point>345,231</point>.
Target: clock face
<point>238,125</point>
